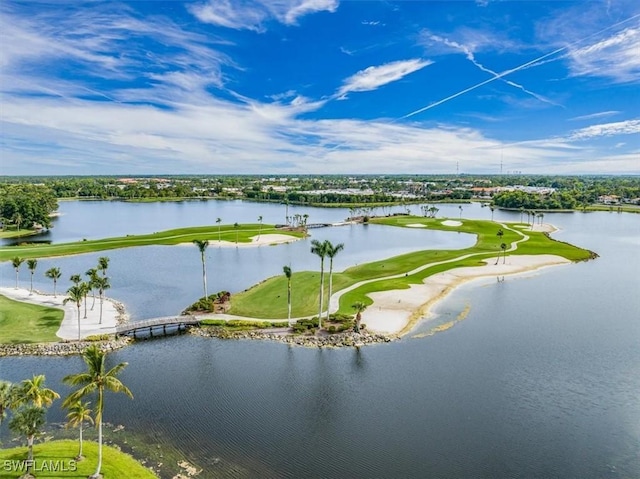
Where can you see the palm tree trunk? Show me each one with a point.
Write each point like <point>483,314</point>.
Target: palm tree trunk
<point>97,474</point>
<point>85,306</point>
<point>78,322</point>
<point>101,301</point>
<point>289,301</point>
<point>330,286</point>
<point>321,293</point>
<point>204,276</point>
<point>31,289</point>
<point>54,288</point>
<point>30,454</point>
<point>93,303</point>
<point>16,278</point>
<point>80,451</point>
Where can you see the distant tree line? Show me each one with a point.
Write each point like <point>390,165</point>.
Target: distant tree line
<point>24,206</point>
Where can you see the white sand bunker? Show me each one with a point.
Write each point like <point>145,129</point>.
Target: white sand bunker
<point>452,223</point>
<point>416,225</point>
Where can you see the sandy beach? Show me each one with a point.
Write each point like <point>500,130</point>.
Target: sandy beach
<point>69,326</point>
<point>398,311</point>
<point>258,240</point>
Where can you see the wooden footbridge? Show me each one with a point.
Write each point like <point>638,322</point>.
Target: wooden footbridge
<point>179,322</point>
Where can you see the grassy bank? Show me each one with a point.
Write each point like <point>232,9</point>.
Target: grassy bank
<point>28,323</point>
<point>269,299</point>
<point>115,464</point>
<point>16,233</point>
<point>243,233</point>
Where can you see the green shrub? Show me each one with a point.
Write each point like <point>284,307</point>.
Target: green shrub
<point>213,322</point>
<point>331,329</point>
<point>98,337</point>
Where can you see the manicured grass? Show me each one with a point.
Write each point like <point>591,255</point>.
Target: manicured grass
<point>170,237</point>
<point>28,323</point>
<point>115,464</point>
<point>269,298</point>
<point>16,233</point>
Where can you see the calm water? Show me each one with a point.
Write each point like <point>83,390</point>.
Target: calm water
<point>541,380</point>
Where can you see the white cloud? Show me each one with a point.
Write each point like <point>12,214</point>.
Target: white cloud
<point>252,15</point>
<point>374,77</point>
<point>627,127</point>
<point>601,114</point>
<point>616,57</point>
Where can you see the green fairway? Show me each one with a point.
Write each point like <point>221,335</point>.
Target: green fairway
<point>60,455</point>
<point>268,299</point>
<point>16,233</point>
<point>28,323</point>
<point>243,234</point>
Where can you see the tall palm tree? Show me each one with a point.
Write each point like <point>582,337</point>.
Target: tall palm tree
<point>499,234</point>
<point>79,413</point>
<point>237,227</point>
<point>75,279</point>
<point>332,251</point>
<point>359,307</point>
<point>96,380</point>
<point>492,208</point>
<point>503,246</point>
<point>32,264</point>
<point>287,273</point>
<point>33,391</point>
<point>17,262</point>
<point>202,246</point>
<point>320,249</point>
<point>260,230</point>
<point>460,207</point>
<point>28,421</point>
<point>102,284</point>
<point>85,288</point>
<point>521,213</point>
<point>103,264</point>
<point>75,294</point>
<point>7,398</point>
<point>218,221</point>
<point>92,273</point>
<point>54,274</point>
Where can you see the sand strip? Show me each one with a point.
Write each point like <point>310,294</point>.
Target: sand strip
<point>69,326</point>
<point>258,240</point>
<point>398,311</point>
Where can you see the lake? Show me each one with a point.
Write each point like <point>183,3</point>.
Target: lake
<point>541,380</point>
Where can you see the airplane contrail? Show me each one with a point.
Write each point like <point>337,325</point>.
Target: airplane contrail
<point>513,70</point>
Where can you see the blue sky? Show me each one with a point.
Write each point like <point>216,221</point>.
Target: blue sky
<point>319,86</point>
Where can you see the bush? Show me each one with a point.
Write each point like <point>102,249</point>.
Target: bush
<point>340,317</point>
<point>97,337</point>
<point>331,329</point>
<point>213,322</point>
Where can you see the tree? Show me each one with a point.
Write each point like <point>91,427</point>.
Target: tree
<point>54,274</point>
<point>17,262</point>
<point>287,273</point>
<point>359,308</point>
<point>503,246</point>
<point>492,208</point>
<point>79,413</point>
<point>320,249</point>
<point>237,227</point>
<point>7,393</point>
<point>75,279</point>
<point>202,246</point>
<point>28,421</point>
<point>76,294</point>
<point>96,380</point>
<point>92,273</point>
<point>102,284</point>
<point>33,391</point>
<point>460,206</point>
<point>260,229</point>
<point>32,264</point>
<point>332,251</point>
<point>218,221</point>
<point>499,234</point>
<point>103,264</point>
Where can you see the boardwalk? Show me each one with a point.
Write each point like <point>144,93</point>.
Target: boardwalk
<point>150,324</point>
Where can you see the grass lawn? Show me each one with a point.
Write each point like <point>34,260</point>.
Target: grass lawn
<point>243,234</point>
<point>268,299</point>
<point>28,323</point>
<point>16,233</point>
<point>115,464</point>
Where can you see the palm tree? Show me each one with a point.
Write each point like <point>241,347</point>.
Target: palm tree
<point>202,246</point>
<point>287,273</point>
<point>96,380</point>
<point>503,246</point>
<point>237,227</point>
<point>102,284</point>
<point>17,262</point>
<point>332,251</point>
<point>17,219</point>
<point>259,230</point>
<point>79,413</point>
<point>521,213</point>
<point>28,421</point>
<point>75,279</point>
<point>7,393</point>
<point>92,273</point>
<point>499,234</point>
<point>460,206</point>
<point>85,288</point>
<point>359,307</point>
<point>33,391</point>
<point>320,250</point>
<point>218,221</point>
<point>540,217</point>
<point>54,274</point>
<point>32,264</point>
<point>75,294</point>
<point>492,208</point>
<point>103,264</point>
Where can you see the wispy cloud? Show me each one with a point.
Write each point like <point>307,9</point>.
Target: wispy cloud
<point>628,127</point>
<point>374,77</point>
<point>601,114</point>
<point>252,15</point>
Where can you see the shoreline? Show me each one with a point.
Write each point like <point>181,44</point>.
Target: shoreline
<point>399,311</point>
<point>269,239</point>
